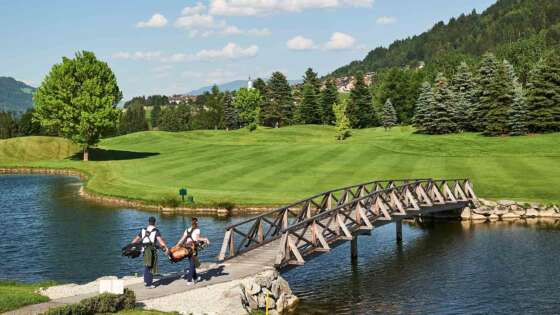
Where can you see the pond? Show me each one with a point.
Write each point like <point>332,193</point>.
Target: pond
<point>50,233</point>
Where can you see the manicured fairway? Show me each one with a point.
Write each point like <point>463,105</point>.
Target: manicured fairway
<point>277,166</point>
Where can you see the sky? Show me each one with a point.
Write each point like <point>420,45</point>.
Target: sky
<point>174,46</point>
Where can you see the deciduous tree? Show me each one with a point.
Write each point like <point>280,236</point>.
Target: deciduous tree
<point>78,97</point>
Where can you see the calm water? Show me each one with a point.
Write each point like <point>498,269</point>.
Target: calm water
<point>442,268</point>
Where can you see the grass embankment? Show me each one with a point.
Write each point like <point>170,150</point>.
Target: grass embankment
<point>277,166</point>
<point>15,295</point>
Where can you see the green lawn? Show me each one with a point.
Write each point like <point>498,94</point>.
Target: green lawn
<point>277,166</point>
<point>15,295</point>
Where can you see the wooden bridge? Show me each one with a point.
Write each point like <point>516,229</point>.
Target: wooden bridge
<point>289,235</point>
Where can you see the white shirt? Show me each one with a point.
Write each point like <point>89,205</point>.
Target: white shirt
<point>194,234</point>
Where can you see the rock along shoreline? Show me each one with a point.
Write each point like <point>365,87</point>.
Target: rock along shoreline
<point>506,210</point>
<point>129,203</point>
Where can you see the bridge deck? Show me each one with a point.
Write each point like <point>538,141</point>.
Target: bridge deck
<point>290,235</point>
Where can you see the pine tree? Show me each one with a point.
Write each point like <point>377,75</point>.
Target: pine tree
<point>231,116</point>
<point>465,92</point>
<point>342,124</point>
<point>442,115</point>
<point>133,120</point>
<point>543,95</point>
<point>359,108</point>
<point>518,113</point>
<point>8,127</point>
<point>312,77</point>
<point>329,96</point>
<point>485,78</point>
<point>389,117</point>
<point>310,110</point>
<point>499,97</point>
<point>154,115</point>
<point>278,108</point>
<point>261,86</point>
<point>424,107</point>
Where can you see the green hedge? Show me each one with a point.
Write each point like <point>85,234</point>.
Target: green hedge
<point>103,303</point>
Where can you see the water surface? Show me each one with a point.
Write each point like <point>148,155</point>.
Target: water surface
<point>50,233</point>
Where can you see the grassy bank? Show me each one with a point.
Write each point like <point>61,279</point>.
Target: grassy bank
<point>15,295</point>
<point>276,166</point>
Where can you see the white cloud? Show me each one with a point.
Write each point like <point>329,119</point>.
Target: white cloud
<point>196,9</point>
<point>138,55</point>
<point>232,30</point>
<point>340,41</point>
<point>259,32</point>
<point>385,20</point>
<point>198,21</point>
<point>229,52</point>
<point>157,20</point>
<point>261,7</point>
<point>300,43</point>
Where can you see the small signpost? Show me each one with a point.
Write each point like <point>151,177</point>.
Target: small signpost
<point>183,193</point>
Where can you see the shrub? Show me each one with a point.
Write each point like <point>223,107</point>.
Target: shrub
<point>103,303</point>
<point>228,205</point>
<point>170,201</point>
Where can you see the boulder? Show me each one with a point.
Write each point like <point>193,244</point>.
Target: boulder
<point>506,203</point>
<point>489,203</point>
<point>547,213</point>
<point>493,217</point>
<point>531,213</point>
<point>483,210</point>
<point>510,216</point>
<point>499,211</point>
<point>535,205</point>
<point>283,286</point>
<point>265,278</point>
<point>466,213</point>
<point>478,217</point>
<point>252,302</point>
<point>275,289</point>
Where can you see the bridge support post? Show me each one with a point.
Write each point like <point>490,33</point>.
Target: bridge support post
<point>398,225</point>
<point>354,249</point>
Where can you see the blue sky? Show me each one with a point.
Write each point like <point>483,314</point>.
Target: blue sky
<point>172,46</point>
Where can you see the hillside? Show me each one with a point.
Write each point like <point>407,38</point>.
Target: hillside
<point>513,29</point>
<point>277,166</point>
<point>15,95</point>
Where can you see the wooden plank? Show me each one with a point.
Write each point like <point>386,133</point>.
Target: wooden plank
<point>343,227</point>
<point>293,248</point>
<point>225,243</point>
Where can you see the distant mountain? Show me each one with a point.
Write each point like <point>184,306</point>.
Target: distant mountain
<point>15,96</point>
<point>229,86</point>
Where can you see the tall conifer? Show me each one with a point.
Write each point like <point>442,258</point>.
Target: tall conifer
<point>389,118</point>
<point>485,77</point>
<point>499,97</point>
<point>329,96</point>
<point>424,107</point>
<point>442,120</point>
<point>359,108</point>
<point>543,95</point>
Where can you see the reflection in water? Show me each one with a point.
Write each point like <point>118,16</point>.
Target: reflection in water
<point>440,268</point>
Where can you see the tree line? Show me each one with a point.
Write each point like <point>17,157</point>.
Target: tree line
<point>492,100</point>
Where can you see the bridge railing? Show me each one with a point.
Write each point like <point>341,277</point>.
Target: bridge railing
<point>316,232</point>
<point>246,235</point>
